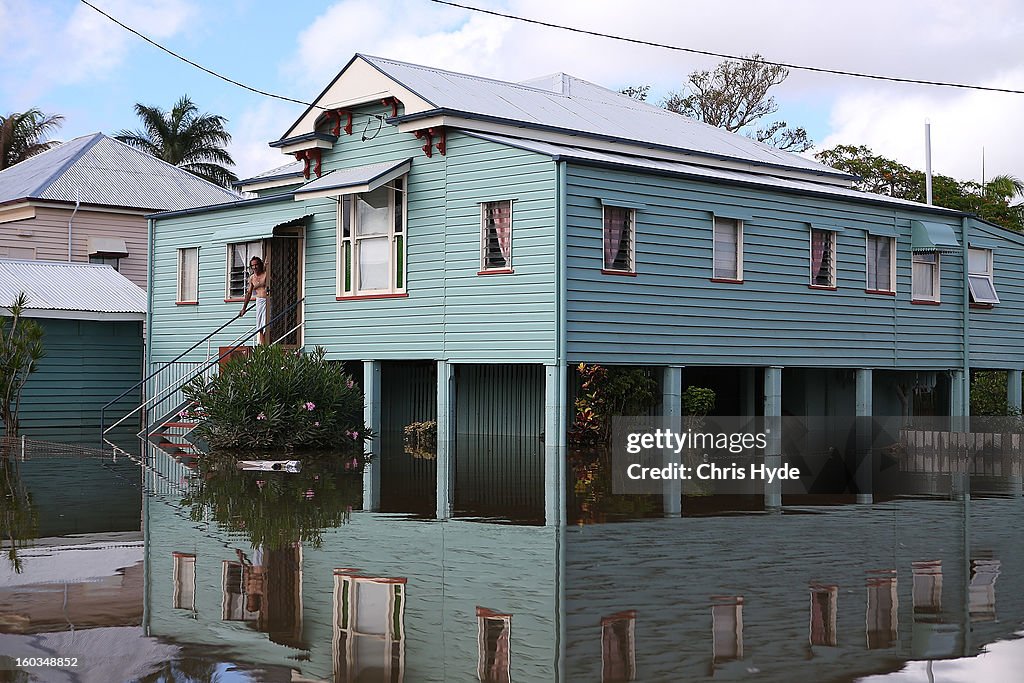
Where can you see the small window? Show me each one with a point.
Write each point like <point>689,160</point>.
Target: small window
<point>496,235</point>
<point>238,273</point>
<point>23,253</point>
<point>979,276</point>
<point>925,276</point>
<point>727,628</point>
<point>112,261</point>
<point>619,239</point>
<point>618,647</point>
<point>369,627</point>
<point>184,581</point>
<point>823,258</point>
<point>188,275</point>
<point>371,242</point>
<point>881,264</point>
<point>882,620</point>
<point>823,615</point>
<point>494,630</point>
<point>728,249</point>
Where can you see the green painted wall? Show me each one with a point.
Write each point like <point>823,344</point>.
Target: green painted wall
<point>87,364</point>
<point>996,332</point>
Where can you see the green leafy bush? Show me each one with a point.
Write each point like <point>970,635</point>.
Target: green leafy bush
<point>275,399</point>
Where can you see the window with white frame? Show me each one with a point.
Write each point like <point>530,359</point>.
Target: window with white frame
<point>494,630</point>
<point>371,242</point>
<point>239,255</point>
<point>496,235</point>
<point>979,276</point>
<point>823,258</point>
<point>188,275</point>
<point>728,249</point>
<point>184,581</point>
<point>881,264</point>
<point>369,627</point>
<point>925,276</point>
<point>619,239</point>
<point>618,647</point>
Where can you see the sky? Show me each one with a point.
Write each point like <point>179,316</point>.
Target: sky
<point>63,58</point>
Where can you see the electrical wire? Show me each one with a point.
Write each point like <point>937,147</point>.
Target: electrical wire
<point>799,67</point>
<point>199,66</point>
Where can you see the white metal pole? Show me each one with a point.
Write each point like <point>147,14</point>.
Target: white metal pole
<point>928,162</point>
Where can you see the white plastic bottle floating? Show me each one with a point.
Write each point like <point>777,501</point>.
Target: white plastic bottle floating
<point>270,465</point>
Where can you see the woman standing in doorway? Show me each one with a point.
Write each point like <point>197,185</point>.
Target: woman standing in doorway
<point>259,289</point>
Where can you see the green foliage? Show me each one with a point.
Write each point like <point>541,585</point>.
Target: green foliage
<point>21,349</point>
<point>734,96</point>
<point>22,135</point>
<point>183,137</point>
<point>605,393</point>
<point>988,394</point>
<point>277,509</point>
<point>698,401</point>
<point>18,517</point>
<point>991,201</point>
<point>274,399</point>
<point>636,92</point>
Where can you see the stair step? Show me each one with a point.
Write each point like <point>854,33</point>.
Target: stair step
<point>179,424</point>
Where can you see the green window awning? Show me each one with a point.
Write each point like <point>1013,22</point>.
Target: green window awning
<point>928,236</point>
<point>252,230</point>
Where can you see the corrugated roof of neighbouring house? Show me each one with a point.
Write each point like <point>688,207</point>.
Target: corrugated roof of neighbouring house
<point>61,286</point>
<point>577,106</point>
<point>97,169</point>
<point>294,169</point>
<point>693,170</point>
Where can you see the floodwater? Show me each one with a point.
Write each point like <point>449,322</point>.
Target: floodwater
<point>155,568</point>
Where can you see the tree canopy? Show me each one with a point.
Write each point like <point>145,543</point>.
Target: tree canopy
<point>992,201</point>
<point>23,135</point>
<point>186,138</point>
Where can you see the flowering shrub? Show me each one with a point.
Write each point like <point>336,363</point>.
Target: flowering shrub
<point>274,399</point>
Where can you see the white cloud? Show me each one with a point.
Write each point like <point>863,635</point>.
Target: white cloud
<point>253,129</point>
<point>949,40</point>
<point>42,49</point>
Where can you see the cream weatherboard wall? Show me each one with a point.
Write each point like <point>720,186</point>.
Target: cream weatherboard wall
<point>44,236</point>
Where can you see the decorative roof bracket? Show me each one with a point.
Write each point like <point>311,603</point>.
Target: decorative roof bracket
<point>307,156</point>
<point>336,115</point>
<point>430,134</point>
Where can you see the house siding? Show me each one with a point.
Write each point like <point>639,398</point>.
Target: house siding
<point>450,312</point>
<point>87,364</point>
<point>47,233</point>
<point>671,312</point>
<point>995,336</point>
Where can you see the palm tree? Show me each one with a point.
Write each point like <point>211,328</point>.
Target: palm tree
<point>184,137</point>
<point>21,135</point>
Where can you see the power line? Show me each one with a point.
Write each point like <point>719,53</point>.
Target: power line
<point>799,67</point>
<point>198,66</point>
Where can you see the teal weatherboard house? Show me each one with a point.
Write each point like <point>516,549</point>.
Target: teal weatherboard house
<point>467,241</point>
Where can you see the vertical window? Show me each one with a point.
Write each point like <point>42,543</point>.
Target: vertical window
<point>881,264</point>
<point>979,276</point>
<point>496,235</point>
<point>981,594</point>
<point>619,247</point>
<point>369,627</point>
<point>188,275</point>
<point>925,276</point>
<point>727,628</point>
<point>618,647</point>
<point>371,242</point>
<point>728,249</point>
<point>823,258</point>
<point>238,273</point>
<point>823,615</point>
<point>494,631</point>
<point>881,620</point>
<point>184,581</point>
<point>927,590</point>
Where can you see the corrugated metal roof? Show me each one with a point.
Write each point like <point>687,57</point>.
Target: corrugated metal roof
<point>292,169</point>
<point>677,167</point>
<point>356,179</point>
<point>96,169</point>
<point>70,287</point>
<point>572,104</point>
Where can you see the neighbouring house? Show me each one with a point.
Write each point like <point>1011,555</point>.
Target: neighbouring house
<point>92,319</point>
<point>466,241</point>
<point>86,200</point>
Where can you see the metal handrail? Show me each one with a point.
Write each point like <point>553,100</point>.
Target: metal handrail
<point>238,341</point>
<point>278,340</point>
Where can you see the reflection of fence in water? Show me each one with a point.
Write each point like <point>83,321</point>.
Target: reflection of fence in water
<point>976,453</point>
